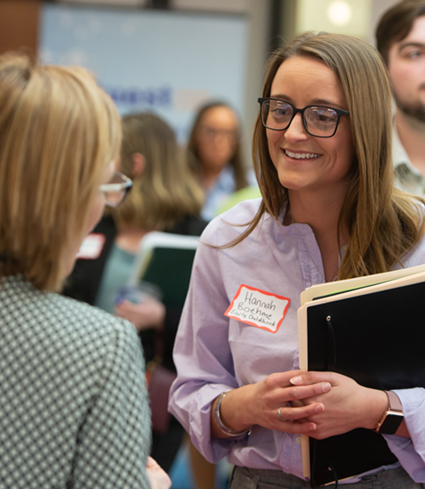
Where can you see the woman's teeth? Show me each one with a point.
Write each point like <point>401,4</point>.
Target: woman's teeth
<point>299,156</point>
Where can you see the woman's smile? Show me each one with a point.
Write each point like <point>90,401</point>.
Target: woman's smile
<point>305,162</point>
<point>303,155</point>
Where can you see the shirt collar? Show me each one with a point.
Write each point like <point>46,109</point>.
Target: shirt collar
<point>400,157</point>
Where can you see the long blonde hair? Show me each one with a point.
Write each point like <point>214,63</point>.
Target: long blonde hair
<point>166,191</point>
<point>58,132</point>
<point>383,223</point>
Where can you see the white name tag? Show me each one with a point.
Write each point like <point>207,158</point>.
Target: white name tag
<point>258,308</point>
<point>91,247</point>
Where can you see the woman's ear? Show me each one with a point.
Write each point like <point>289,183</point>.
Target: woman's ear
<point>138,164</point>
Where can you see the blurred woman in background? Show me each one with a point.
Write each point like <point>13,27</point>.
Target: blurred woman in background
<point>74,410</point>
<point>215,155</point>
<point>165,197</point>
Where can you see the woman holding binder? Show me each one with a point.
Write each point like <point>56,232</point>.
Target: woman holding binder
<point>322,155</point>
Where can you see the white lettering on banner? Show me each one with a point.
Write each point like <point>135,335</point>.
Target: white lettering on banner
<point>258,308</point>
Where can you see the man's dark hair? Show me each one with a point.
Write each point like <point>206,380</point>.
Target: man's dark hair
<point>396,24</point>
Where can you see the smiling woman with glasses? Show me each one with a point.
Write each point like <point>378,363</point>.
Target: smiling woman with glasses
<point>329,211</point>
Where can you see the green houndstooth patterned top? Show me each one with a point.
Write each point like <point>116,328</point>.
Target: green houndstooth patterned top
<point>73,404</point>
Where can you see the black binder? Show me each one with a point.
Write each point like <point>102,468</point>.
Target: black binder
<point>376,336</point>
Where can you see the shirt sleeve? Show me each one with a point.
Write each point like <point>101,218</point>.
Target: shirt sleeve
<point>411,451</point>
<point>202,354</point>
<point>114,439</point>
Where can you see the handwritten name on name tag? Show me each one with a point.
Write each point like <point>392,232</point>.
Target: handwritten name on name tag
<point>258,308</point>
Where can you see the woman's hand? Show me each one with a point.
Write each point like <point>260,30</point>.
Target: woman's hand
<point>347,405</point>
<point>157,476</point>
<point>147,314</point>
<point>259,404</point>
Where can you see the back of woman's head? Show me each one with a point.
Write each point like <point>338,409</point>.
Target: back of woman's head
<point>165,190</point>
<point>58,133</point>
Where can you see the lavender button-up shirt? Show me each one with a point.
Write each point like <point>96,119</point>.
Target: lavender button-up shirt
<point>214,353</point>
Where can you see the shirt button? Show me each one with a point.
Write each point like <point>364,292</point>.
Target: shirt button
<point>298,440</point>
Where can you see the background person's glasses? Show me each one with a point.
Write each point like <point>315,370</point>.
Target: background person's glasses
<point>319,120</point>
<point>212,133</point>
<point>117,189</point>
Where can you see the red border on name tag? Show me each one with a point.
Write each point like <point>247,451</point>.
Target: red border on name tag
<point>279,297</point>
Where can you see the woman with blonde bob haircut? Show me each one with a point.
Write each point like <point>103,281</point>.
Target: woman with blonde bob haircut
<point>322,156</point>
<point>74,403</point>
<point>51,184</point>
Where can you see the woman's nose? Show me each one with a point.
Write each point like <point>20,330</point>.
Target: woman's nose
<point>296,130</point>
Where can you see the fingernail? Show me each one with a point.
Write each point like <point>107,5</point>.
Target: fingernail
<point>319,408</point>
<point>296,380</point>
<point>313,427</point>
<point>326,387</point>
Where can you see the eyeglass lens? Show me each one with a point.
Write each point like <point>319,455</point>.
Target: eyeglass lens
<point>116,190</point>
<point>213,133</point>
<point>318,121</point>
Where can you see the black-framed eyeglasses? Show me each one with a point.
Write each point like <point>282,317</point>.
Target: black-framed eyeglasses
<point>319,121</point>
<point>117,189</point>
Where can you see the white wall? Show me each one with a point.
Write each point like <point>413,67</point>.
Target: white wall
<point>351,17</point>
<point>378,8</point>
<point>221,55</point>
<point>312,15</point>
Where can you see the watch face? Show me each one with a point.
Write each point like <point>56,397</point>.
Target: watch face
<point>391,423</point>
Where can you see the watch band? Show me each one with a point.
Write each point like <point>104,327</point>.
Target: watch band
<point>393,416</point>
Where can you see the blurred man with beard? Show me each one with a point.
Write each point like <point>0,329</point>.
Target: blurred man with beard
<point>400,37</point>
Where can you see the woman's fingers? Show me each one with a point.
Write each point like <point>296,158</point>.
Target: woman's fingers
<point>260,403</point>
<point>291,413</point>
<point>297,427</point>
<point>309,378</point>
<point>277,387</point>
<point>307,391</point>
<point>296,421</point>
<point>158,478</point>
<point>148,314</point>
